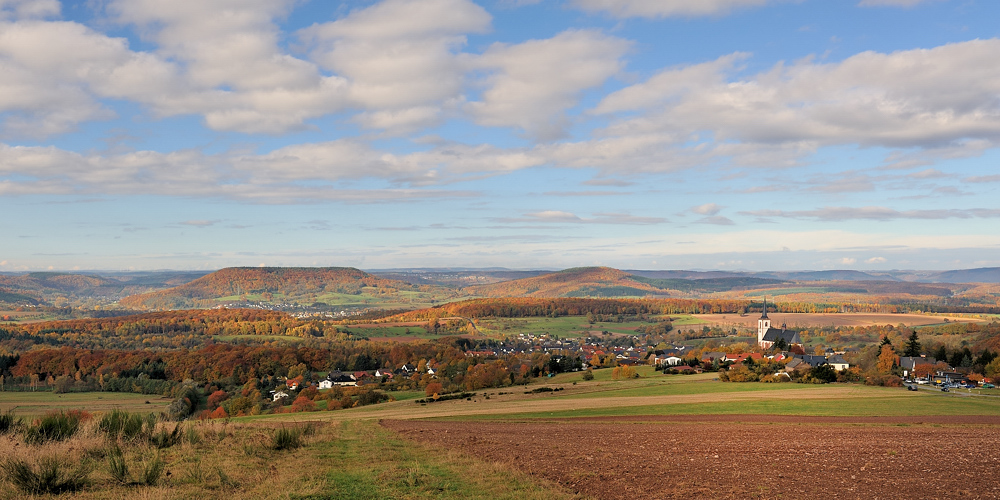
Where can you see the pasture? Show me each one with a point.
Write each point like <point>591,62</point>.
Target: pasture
<point>690,435</point>
<point>32,404</point>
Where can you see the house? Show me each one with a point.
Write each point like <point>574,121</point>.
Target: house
<point>739,358</point>
<point>713,356</point>
<point>406,369</point>
<point>667,360</point>
<point>292,384</point>
<point>909,364</point>
<point>325,384</point>
<point>342,379</point>
<point>383,372</point>
<point>278,395</point>
<point>838,362</point>
<point>768,336</point>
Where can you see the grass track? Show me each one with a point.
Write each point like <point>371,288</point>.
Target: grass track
<point>374,463</point>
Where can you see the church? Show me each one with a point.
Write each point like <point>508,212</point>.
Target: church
<point>767,336</point>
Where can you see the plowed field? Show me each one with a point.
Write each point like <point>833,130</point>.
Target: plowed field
<point>740,457</point>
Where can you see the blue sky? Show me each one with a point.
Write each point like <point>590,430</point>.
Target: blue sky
<point>638,134</point>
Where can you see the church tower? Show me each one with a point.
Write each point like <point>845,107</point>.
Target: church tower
<point>763,323</point>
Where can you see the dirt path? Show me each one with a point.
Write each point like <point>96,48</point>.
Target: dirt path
<point>716,457</point>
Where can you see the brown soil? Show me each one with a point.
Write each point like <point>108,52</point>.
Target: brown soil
<point>740,456</point>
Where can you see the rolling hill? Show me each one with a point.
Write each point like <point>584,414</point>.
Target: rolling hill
<point>607,282</point>
<point>79,289</point>
<point>298,285</point>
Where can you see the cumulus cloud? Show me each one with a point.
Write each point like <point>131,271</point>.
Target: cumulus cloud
<point>531,84</point>
<point>657,9</point>
<point>922,99</point>
<point>295,174</point>
<point>833,214</point>
<point>28,9</point>
<point>400,57</point>
<point>875,260</point>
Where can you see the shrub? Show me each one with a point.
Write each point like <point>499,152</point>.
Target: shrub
<point>55,426</point>
<point>588,375</point>
<point>286,439</point>
<point>52,477</point>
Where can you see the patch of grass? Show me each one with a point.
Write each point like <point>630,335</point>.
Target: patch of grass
<point>10,423</point>
<point>37,404</point>
<point>373,462</point>
<point>286,439</point>
<point>122,425</point>
<point>55,426</point>
<point>878,402</point>
<point>52,476</point>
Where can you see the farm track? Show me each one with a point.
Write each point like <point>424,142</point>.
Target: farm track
<point>739,456</point>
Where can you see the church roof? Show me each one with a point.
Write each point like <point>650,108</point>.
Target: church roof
<point>790,336</point>
<point>763,315</point>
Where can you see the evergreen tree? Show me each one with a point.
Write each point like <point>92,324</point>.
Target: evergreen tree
<point>912,346</point>
<point>885,341</point>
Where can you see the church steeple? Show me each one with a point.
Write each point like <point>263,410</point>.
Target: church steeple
<point>763,324</point>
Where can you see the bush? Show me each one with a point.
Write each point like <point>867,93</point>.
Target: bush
<point>588,375</point>
<point>286,439</point>
<point>52,477</point>
<point>55,426</point>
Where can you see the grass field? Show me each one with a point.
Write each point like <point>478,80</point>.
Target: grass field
<point>563,327</point>
<point>31,404</point>
<point>351,457</point>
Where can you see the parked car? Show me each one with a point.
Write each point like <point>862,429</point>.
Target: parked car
<point>944,389</point>
<point>911,387</point>
<point>988,386</point>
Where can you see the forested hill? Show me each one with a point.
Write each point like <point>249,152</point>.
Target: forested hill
<point>264,283</point>
<point>575,282</point>
<point>609,282</point>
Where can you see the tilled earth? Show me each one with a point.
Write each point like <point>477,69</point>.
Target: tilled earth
<point>735,456</point>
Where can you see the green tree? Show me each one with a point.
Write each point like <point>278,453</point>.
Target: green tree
<point>912,346</point>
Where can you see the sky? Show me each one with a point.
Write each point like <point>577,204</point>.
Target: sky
<point>527,134</point>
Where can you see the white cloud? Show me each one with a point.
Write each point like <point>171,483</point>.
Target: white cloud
<point>533,83</point>
<point>875,260</point>
<point>832,214</point>
<point>657,9</point>
<point>400,57</point>
<point>926,99</point>
<point>707,209</point>
<point>557,216</point>
<point>28,9</point>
